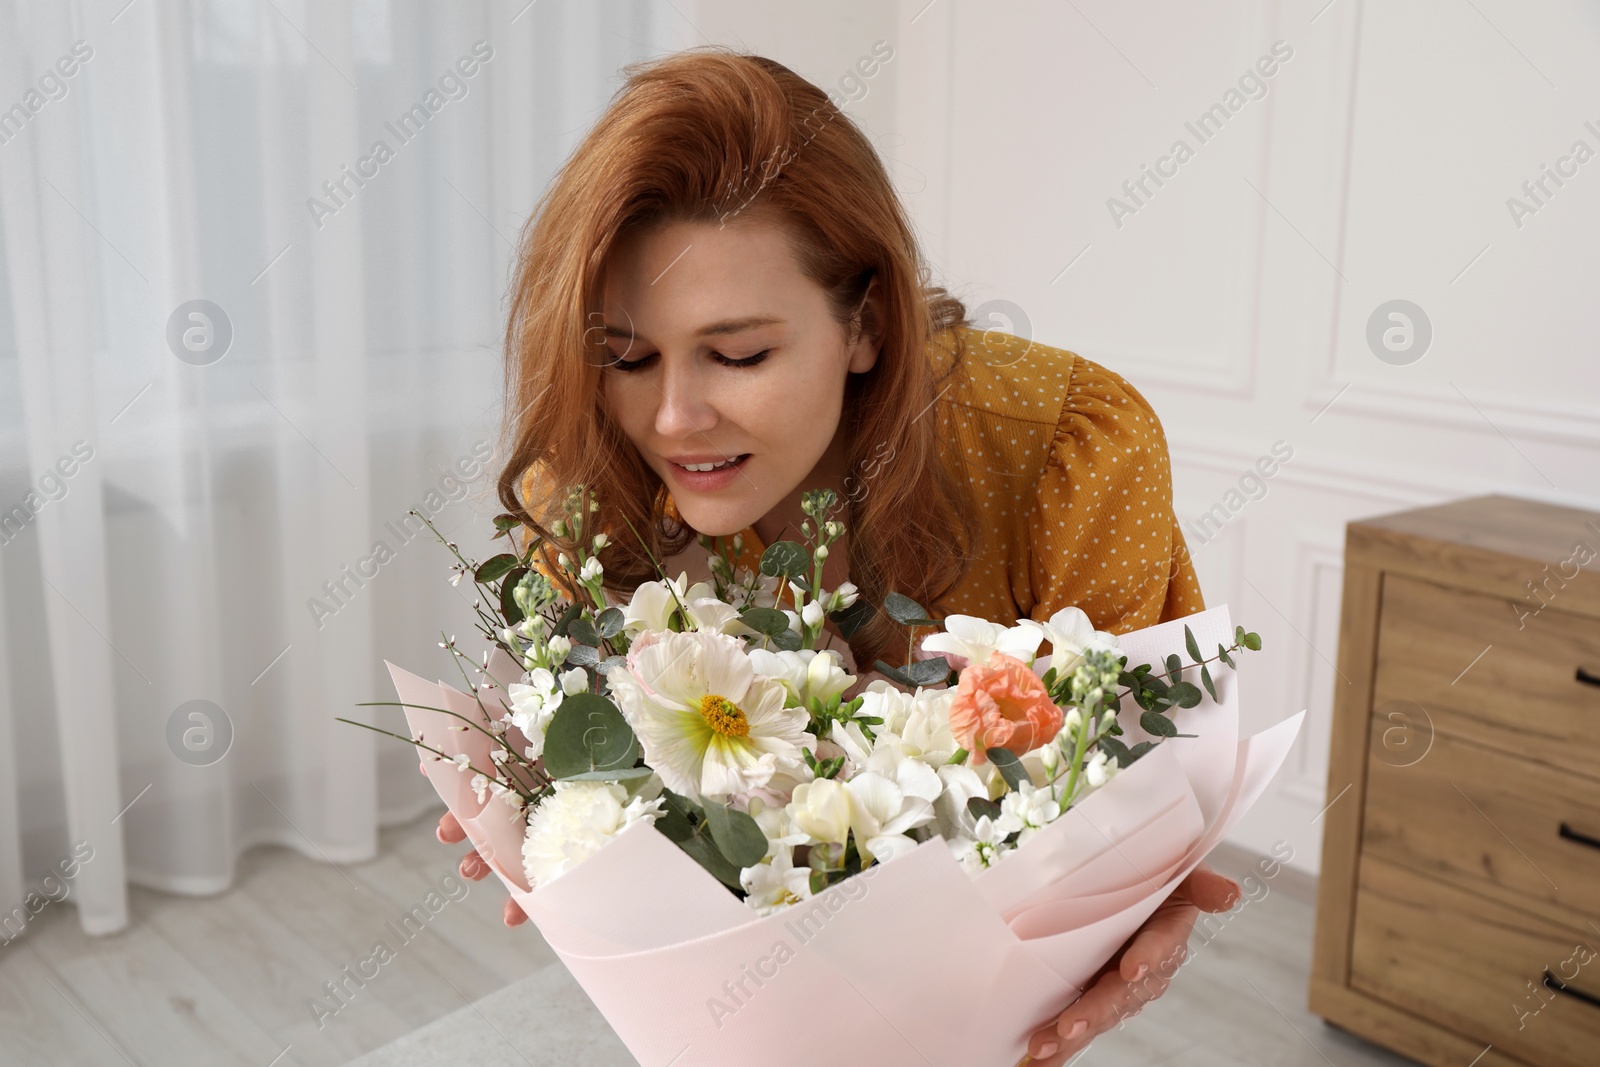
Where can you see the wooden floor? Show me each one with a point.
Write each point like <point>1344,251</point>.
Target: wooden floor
<point>228,979</point>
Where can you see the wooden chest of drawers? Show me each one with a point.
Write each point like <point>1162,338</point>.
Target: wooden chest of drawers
<point>1458,910</point>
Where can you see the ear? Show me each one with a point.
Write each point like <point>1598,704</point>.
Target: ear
<point>868,324</point>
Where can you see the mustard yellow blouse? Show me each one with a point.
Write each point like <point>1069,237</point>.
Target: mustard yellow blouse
<point>1069,470</point>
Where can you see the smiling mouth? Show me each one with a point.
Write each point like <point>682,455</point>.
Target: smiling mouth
<point>723,465</point>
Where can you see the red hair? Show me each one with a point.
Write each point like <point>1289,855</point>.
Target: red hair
<point>711,135</point>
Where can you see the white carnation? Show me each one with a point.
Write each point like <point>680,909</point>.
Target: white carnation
<point>575,822</point>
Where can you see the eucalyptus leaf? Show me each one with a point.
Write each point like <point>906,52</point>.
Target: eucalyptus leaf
<point>788,640</point>
<point>582,632</point>
<point>1116,750</point>
<point>573,611</point>
<point>1009,766</point>
<point>928,671</point>
<point>894,674</point>
<point>1222,654</point>
<point>1157,724</point>
<point>704,851</point>
<point>584,656</point>
<point>787,559</point>
<point>1252,641</point>
<point>1140,749</point>
<point>611,622</point>
<point>1191,644</point>
<point>907,612</point>
<point>494,567</point>
<point>978,807</point>
<point>1174,666</point>
<point>850,619</point>
<point>588,733</point>
<point>1205,679</point>
<point>626,774</point>
<point>508,600</point>
<point>738,836</point>
<point>1184,694</point>
<point>769,621</point>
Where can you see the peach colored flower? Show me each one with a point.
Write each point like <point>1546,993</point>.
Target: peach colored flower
<point>1001,703</point>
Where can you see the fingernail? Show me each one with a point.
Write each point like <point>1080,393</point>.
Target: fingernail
<point>1078,1028</point>
<point>1049,1048</point>
<point>1143,969</point>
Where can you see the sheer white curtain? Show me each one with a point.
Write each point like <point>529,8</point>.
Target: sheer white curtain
<point>203,553</point>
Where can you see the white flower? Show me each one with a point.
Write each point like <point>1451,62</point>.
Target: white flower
<point>844,596</point>
<point>559,646</point>
<point>776,824</point>
<point>821,810</point>
<point>708,725</point>
<point>811,614</point>
<point>983,849</point>
<point>961,783</point>
<point>1028,810</point>
<point>805,673</point>
<point>652,605</point>
<point>534,702</point>
<point>462,760</point>
<point>601,541</point>
<point>1100,769</point>
<point>575,822</point>
<point>592,569</point>
<point>882,812</point>
<point>480,786</point>
<point>973,639</point>
<point>776,883</point>
<point>1070,634</point>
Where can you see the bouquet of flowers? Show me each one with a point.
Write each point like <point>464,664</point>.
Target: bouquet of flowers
<point>719,845</point>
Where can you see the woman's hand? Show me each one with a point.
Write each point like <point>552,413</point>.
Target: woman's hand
<point>1141,973</point>
<point>473,865</point>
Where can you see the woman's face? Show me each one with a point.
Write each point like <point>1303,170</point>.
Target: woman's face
<point>721,350</point>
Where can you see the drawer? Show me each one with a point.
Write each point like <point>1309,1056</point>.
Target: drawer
<point>1525,694</point>
<point>1498,825</point>
<point>1476,967</point>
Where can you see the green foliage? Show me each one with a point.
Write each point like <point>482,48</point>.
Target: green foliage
<point>587,734</point>
<point>907,612</point>
<point>786,559</point>
<point>1009,766</point>
<point>769,621</point>
<point>495,567</point>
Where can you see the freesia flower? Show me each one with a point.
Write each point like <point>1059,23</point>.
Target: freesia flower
<point>776,883</point>
<point>1002,704</point>
<point>1070,634</point>
<point>960,784</point>
<point>709,726</point>
<point>882,811</point>
<point>969,639</point>
<point>575,822</point>
<point>821,810</point>
<point>805,673</point>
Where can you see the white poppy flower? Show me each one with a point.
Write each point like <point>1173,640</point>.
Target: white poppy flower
<point>709,726</point>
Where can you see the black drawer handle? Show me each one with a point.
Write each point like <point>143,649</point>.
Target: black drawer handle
<point>1583,839</point>
<point>1588,679</point>
<point>1552,982</point>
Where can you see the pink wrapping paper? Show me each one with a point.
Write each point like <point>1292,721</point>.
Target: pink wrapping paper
<point>910,962</point>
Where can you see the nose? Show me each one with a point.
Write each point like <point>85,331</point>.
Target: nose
<point>685,409</point>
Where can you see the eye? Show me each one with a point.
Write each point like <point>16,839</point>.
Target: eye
<point>748,361</point>
<point>626,365</point>
<point>618,363</point>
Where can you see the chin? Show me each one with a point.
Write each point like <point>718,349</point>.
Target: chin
<point>714,522</point>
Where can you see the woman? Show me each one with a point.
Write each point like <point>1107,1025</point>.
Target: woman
<point>719,304</point>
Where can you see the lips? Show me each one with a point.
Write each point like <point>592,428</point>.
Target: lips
<point>706,466</point>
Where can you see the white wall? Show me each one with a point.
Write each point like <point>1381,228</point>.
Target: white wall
<point>1376,166</point>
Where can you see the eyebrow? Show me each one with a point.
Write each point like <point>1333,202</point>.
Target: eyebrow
<point>715,329</point>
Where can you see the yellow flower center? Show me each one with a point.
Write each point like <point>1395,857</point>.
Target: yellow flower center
<point>723,716</point>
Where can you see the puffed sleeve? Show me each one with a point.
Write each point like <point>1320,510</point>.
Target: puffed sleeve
<point>1102,534</point>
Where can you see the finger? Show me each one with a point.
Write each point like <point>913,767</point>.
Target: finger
<point>1106,1003</point>
<point>1208,890</point>
<point>514,916</point>
<point>473,866</point>
<point>1162,944</point>
<point>450,830</point>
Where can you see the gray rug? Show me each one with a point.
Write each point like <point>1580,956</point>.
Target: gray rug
<point>542,1019</point>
